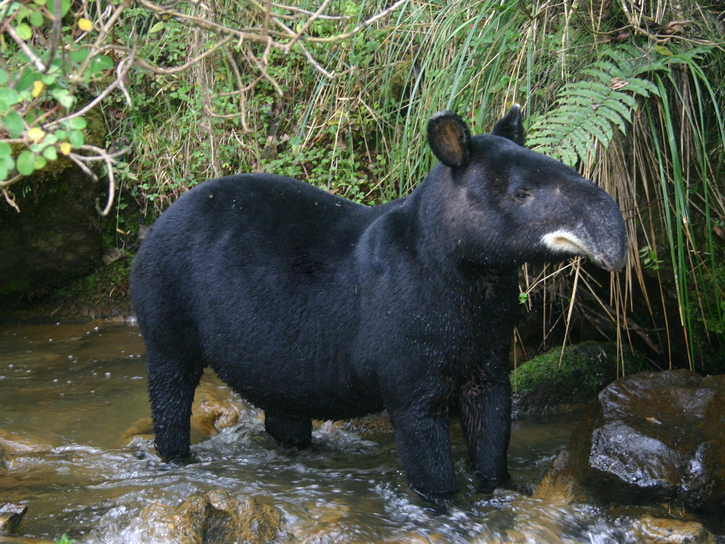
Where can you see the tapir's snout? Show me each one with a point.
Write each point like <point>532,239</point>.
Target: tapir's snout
<point>608,233</point>
<point>599,234</point>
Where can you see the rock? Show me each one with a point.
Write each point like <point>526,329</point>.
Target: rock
<point>10,516</point>
<point>650,530</point>
<point>12,539</point>
<point>543,385</point>
<point>13,444</point>
<point>215,408</point>
<point>368,425</point>
<point>214,517</point>
<point>56,236</point>
<point>649,438</point>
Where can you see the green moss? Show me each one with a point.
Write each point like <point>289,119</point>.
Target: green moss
<point>585,369</point>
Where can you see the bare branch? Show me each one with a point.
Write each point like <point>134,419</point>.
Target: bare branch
<point>358,28</point>
<point>169,71</point>
<point>289,45</point>
<point>123,66</point>
<point>10,199</point>
<point>25,49</point>
<point>110,160</point>
<point>11,181</point>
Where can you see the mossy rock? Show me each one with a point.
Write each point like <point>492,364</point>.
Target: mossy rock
<point>554,383</point>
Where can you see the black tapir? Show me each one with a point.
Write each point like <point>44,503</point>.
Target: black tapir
<point>311,306</point>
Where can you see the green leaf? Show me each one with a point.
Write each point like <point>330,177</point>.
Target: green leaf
<point>100,63</point>
<point>64,6</point>
<point>79,55</point>
<point>6,165</point>
<point>64,97</point>
<point>36,18</point>
<point>13,124</point>
<point>77,123</point>
<point>50,153</point>
<point>9,96</point>
<point>26,162</point>
<point>76,138</point>
<point>5,150</point>
<point>3,77</point>
<point>158,26</point>
<point>24,31</point>
<point>26,80</point>
<point>662,50</point>
<point>40,162</point>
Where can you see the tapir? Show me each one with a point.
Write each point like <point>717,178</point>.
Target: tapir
<point>311,306</point>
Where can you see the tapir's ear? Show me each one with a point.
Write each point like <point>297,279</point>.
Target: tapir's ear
<point>450,139</point>
<point>511,126</point>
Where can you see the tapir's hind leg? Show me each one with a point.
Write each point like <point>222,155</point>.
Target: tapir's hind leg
<point>172,382</point>
<point>288,431</point>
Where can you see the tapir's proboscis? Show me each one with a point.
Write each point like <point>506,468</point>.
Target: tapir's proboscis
<point>313,307</point>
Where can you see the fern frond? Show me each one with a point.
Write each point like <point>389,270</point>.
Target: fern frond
<point>588,111</point>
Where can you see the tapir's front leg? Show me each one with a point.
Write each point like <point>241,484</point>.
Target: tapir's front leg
<point>486,423</point>
<point>424,449</point>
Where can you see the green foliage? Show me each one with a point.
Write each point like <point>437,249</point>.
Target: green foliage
<point>637,111</point>
<point>38,87</point>
<point>649,258</point>
<point>588,111</point>
<point>64,540</point>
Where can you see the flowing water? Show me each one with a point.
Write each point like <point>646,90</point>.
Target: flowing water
<point>69,392</point>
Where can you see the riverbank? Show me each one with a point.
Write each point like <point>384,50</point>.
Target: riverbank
<point>101,295</point>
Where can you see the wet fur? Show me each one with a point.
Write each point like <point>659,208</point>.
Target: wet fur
<point>311,306</point>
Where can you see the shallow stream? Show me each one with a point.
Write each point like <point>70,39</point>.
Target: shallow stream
<point>71,391</point>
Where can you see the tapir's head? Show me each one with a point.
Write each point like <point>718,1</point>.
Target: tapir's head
<point>505,204</point>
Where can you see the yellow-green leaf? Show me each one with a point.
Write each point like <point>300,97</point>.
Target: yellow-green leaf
<point>36,134</point>
<point>38,88</point>
<point>85,25</point>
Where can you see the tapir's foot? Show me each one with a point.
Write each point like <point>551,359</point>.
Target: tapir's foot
<point>286,431</point>
<point>438,499</point>
<point>173,464</point>
<point>488,485</point>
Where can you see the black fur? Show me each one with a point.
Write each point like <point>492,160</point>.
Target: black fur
<point>311,306</point>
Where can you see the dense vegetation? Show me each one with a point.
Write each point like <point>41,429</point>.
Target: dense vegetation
<point>338,93</point>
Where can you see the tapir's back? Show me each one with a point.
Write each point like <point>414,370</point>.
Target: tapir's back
<point>241,265</point>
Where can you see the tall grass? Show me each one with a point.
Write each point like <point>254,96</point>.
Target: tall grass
<point>617,90</point>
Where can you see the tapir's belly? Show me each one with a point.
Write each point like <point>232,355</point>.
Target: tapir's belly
<point>302,370</point>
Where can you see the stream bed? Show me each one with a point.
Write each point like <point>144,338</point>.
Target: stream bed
<point>70,392</point>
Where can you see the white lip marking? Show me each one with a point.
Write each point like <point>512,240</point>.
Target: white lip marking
<point>564,241</point>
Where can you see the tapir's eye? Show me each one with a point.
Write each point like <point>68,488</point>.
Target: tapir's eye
<point>521,195</point>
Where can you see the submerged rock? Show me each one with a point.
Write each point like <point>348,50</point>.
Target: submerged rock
<point>12,444</point>
<point>650,530</point>
<point>554,382</point>
<point>10,516</point>
<point>13,539</point>
<point>214,517</point>
<point>215,408</point>
<point>649,438</point>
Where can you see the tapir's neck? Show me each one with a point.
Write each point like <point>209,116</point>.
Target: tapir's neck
<point>437,207</point>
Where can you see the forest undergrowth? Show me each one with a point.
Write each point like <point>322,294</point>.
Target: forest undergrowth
<point>338,94</point>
